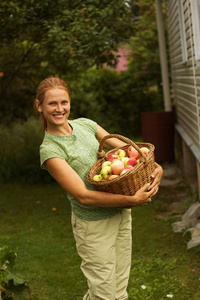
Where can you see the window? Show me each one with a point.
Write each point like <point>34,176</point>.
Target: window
<point>195,10</point>
<point>182,32</point>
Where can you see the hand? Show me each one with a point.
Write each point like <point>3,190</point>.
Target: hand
<point>157,176</point>
<point>141,197</point>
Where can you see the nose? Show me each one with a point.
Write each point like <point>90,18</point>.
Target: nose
<point>59,107</point>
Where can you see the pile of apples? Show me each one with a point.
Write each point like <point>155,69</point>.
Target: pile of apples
<point>119,163</point>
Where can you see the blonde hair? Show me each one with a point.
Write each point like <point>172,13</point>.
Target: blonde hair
<point>49,83</point>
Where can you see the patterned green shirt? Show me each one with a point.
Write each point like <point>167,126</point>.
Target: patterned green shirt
<point>79,150</point>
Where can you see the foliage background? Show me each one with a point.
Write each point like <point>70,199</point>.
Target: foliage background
<point>77,41</point>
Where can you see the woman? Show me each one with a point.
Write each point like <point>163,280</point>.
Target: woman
<point>101,221</point>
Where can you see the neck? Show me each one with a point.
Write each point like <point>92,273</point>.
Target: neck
<point>60,130</point>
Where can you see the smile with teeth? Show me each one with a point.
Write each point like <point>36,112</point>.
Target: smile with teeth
<point>58,115</point>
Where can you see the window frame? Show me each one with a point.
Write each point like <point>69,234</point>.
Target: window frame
<point>195,11</point>
<point>182,33</point>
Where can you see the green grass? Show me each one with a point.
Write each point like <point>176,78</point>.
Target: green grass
<point>42,238</point>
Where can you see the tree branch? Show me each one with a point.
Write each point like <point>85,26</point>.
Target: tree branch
<point>17,70</point>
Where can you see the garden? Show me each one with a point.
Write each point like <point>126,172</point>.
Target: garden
<point>79,41</point>
<point>35,224</point>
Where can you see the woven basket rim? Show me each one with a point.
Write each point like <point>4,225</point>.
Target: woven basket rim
<point>123,177</point>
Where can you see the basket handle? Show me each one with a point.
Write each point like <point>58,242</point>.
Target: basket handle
<point>123,138</point>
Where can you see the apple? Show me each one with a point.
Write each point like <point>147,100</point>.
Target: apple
<point>113,176</point>
<point>97,177</point>
<point>132,161</point>
<point>106,163</point>
<point>124,171</point>
<point>117,166</point>
<point>121,153</point>
<point>134,154</point>
<point>112,156</point>
<point>105,172</point>
<point>128,167</point>
<point>130,149</point>
<point>124,160</point>
<point>144,150</point>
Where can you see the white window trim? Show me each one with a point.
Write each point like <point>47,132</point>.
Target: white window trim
<point>196,29</point>
<point>182,32</point>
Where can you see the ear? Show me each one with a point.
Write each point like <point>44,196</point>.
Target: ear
<point>38,105</point>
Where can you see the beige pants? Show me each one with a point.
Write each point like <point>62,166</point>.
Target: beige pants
<point>105,248</point>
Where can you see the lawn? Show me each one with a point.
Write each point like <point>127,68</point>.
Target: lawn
<point>35,223</point>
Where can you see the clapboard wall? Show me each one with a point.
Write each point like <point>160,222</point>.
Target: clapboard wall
<point>183,25</point>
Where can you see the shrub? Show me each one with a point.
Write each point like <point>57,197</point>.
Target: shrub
<point>113,100</point>
<point>19,152</point>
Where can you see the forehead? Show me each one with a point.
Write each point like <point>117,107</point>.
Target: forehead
<point>56,94</point>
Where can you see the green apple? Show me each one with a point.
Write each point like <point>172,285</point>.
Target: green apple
<point>97,177</point>
<point>105,172</point>
<point>106,163</point>
<point>125,160</point>
<point>144,150</point>
<point>113,176</point>
<point>121,153</point>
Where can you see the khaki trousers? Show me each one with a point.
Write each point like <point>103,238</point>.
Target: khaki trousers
<point>105,248</point>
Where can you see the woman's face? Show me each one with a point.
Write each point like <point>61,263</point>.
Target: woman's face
<point>55,107</point>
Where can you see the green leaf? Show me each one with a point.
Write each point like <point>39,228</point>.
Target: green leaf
<point>16,287</point>
<point>7,258</point>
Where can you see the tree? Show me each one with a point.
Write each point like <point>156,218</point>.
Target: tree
<point>39,38</point>
<point>144,60</point>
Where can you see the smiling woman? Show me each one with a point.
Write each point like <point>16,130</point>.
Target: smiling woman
<point>101,221</point>
<point>55,108</point>
<point>53,96</point>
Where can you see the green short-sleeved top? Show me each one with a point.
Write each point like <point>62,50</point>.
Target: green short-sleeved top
<point>80,151</point>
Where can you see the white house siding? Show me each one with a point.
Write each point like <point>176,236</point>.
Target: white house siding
<point>185,74</point>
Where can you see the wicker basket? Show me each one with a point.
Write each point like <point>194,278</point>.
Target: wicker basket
<point>130,182</point>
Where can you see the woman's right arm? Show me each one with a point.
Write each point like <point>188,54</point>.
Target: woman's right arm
<point>71,182</point>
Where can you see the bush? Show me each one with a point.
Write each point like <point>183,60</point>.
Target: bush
<point>19,152</point>
<point>113,100</point>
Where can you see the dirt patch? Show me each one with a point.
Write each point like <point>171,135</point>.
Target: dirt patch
<point>174,196</point>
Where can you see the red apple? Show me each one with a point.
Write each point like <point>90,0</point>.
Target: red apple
<point>112,156</point>
<point>134,154</point>
<point>128,167</point>
<point>132,161</point>
<point>130,149</point>
<point>117,166</point>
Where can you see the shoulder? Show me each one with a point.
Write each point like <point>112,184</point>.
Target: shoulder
<point>88,124</point>
<point>49,149</point>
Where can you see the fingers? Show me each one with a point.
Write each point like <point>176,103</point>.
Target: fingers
<point>157,172</point>
<point>156,175</point>
<point>145,202</point>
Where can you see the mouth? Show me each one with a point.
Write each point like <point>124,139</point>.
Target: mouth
<point>58,116</point>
